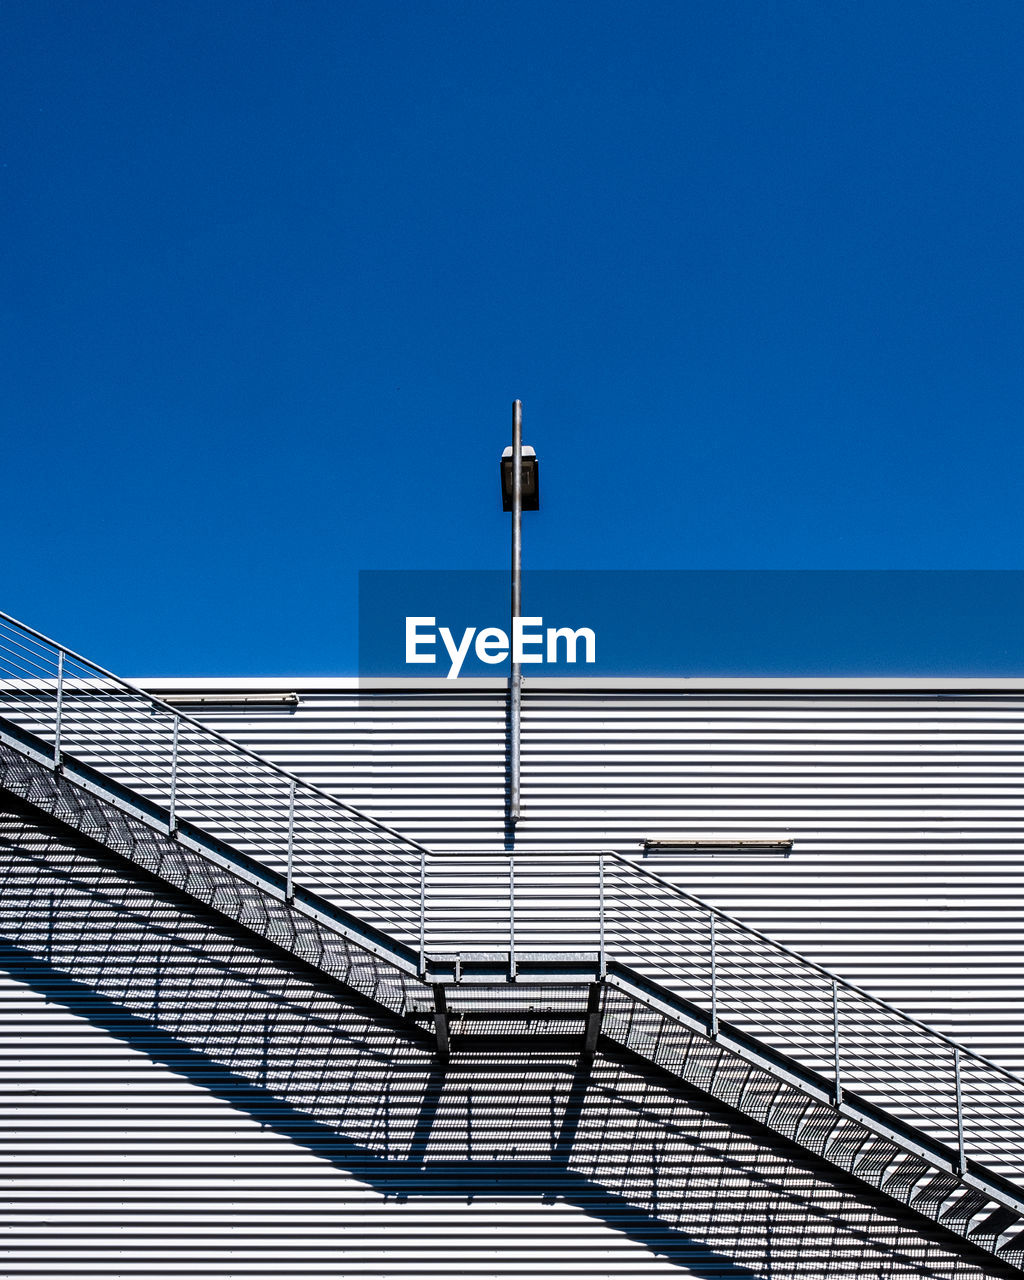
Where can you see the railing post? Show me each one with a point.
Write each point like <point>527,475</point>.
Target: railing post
<point>289,886</point>
<point>512,916</point>
<point>835,1043</point>
<point>423,913</point>
<point>172,822</point>
<point>961,1157</point>
<point>60,708</point>
<point>714,977</point>
<point>602,957</point>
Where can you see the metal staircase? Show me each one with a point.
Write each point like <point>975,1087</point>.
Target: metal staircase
<point>480,945</point>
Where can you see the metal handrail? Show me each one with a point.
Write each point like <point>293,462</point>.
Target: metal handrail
<point>859,1043</point>
<point>702,903</point>
<point>64,652</point>
<point>198,773</point>
<point>813,964</point>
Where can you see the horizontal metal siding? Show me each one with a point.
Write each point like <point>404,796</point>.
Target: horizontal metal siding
<point>435,761</point>
<point>906,811</point>
<point>177,1101</point>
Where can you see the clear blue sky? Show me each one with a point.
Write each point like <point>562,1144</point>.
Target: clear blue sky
<point>274,272</point>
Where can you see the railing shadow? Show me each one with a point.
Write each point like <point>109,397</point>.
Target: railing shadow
<point>365,1092</point>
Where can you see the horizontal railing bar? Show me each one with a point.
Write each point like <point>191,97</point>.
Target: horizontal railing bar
<point>493,852</point>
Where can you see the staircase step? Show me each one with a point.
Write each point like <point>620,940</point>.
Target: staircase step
<point>905,1175</point>
<point>876,1160</point>
<point>1015,1244</point>
<point>964,1209</point>
<point>731,1079</point>
<point>936,1191</point>
<point>788,1112</point>
<point>995,1224</point>
<point>818,1127</point>
<point>760,1095</point>
<point>701,1063</point>
<point>847,1140</point>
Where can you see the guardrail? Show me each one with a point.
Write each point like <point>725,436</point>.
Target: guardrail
<point>195,773</point>
<point>605,902</point>
<point>862,1043</point>
<point>602,902</point>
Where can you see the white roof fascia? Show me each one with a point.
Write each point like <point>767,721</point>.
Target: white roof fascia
<point>585,684</point>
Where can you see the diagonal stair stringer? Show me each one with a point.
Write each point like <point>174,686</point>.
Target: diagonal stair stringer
<point>315,931</point>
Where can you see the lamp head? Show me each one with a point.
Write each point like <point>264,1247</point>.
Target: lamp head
<point>531,480</point>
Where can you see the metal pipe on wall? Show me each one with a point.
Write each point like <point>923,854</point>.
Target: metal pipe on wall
<point>516,680</point>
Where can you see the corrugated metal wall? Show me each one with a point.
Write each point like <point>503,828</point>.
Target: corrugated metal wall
<point>177,1100</point>
<point>905,807</point>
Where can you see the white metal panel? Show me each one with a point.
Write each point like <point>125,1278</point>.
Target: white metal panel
<point>905,806</point>
<point>177,1101</point>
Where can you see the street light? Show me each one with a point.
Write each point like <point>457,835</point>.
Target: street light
<point>531,480</point>
<point>520,491</point>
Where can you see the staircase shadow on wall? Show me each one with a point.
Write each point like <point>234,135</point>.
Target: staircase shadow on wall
<point>354,1086</point>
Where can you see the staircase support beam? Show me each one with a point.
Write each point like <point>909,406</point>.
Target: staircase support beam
<point>441,1021</point>
<point>593,1027</point>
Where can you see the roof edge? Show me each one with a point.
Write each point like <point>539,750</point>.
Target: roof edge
<point>585,684</point>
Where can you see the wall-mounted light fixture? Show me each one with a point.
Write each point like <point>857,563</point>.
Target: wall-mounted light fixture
<point>228,699</point>
<point>780,846</point>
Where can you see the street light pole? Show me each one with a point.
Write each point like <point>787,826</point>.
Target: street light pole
<point>520,491</point>
<point>516,683</point>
